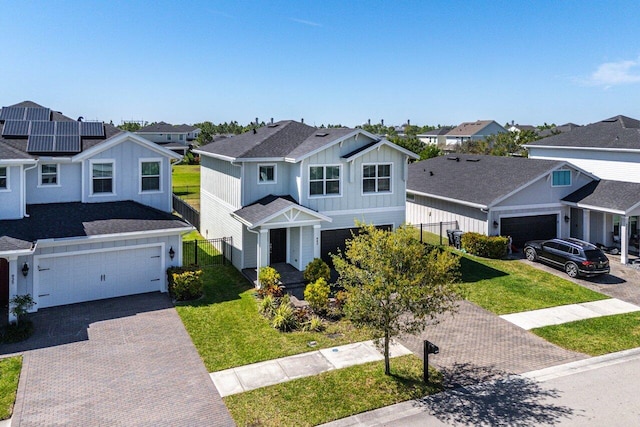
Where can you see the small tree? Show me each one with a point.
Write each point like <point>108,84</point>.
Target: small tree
<point>317,269</point>
<point>395,283</point>
<point>317,295</point>
<point>20,305</point>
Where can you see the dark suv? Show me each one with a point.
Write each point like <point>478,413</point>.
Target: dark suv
<point>576,257</point>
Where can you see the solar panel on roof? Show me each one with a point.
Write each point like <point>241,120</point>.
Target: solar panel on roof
<point>40,144</point>
<point>38,113</point>
<point>42,128</point>
<point>91,129</point>
<point>15,128</point>
<point>67,128</point>
<point>67,144</point>
<point>12,113</point>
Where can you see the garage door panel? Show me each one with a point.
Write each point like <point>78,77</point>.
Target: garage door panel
<point>522,229</point>
<point>332,240</point>
<point>91,276</point>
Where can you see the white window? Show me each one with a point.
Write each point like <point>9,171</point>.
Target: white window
<point>150,175</point>
<point>376,178</point>
<point>181,137</point>
<point>324,180</point>
<point>267,174</point>
<point>4,178</point>
<point>102,177</point>
<point>49,175</point>
<point>561,178</point>
<point>168,137</point>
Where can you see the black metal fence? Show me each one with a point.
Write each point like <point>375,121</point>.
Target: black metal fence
<point>207,253</point>
<point>435,232</point>
<point>187,211</point>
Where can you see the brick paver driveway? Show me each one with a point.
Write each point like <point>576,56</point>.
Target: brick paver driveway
<point>123,361</point>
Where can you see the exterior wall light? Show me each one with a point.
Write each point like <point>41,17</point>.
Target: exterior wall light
<point>566,218</point>
<point>172,253</point>
<point>25,269</point>
<point>495,224</point>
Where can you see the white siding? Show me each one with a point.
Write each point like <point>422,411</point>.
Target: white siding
<point>294,247</point>
<point>307,247</point>
<point>426,210</point>
<point>11,204</point>
<point>254,191</point>
<point>69,188</point>
<point>216,221</point>
<point>221,179</point>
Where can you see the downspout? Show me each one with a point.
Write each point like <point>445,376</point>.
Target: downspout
<point>24,188</point>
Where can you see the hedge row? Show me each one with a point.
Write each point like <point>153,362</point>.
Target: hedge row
<point>485,246</point>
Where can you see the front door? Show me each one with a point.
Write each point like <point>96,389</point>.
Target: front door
<point>277,245</point>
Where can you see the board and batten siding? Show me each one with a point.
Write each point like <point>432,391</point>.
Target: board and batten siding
<point>543,192</point>
<point>253,190</point>
<point>126,183</point>
<point>11,204</point>
<point>615,166</point>
<point>68,188</point>
<point>426,210</point>
<point>216,221</point>
<point>221,179</point>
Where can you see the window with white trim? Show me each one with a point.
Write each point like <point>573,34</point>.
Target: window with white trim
<point>49,174</point>
<point>150,175</point>
<point>4,178</point>
<point>102,177</point>
<point>168,137</point>
<point>376,178</point>
<point>561,178</point>
<point>324,180</point>
<point>266,174</point>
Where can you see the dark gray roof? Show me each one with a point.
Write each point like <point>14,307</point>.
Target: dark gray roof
<point>265,207</point>
<point>63,220</point>
<point>163,127</point>
<point>435,132</point>
<point>287,138</point>
<point>473,178</point>
<point>364,147</point>
<point>606,194</point>
<point>617,132</point>
<point>16,148</point>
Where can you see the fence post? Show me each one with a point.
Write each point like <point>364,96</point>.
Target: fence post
<point>420,232</point>
<point>224,251</point>
<point>440,233</point>
<point>195,252</point>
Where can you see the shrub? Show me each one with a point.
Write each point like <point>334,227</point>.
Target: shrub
<point>268,306</point>
<point>16,332</point>
<point>20,305</point>
<point>315,324</point>
<point>284,318</point>
<point>317,269</point>
<point>185,283</point>
<point>317,295</point>
<point>485,246</point>
<point>268,276</point>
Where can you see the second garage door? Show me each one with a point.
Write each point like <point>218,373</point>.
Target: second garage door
<point>332,240</point>
<point>76,278</point>
<point>525,228</point>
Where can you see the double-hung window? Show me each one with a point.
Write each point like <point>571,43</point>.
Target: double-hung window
<point>150,175</point>
<point>4,178</point>
<point>376,178</point>
<point>102,177</point>
<point>49,174</point>
<point>266,174</point>
<point>324,180</point>
<point>561,178</point>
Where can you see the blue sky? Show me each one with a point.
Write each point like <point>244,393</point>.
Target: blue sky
<point>325,61</point>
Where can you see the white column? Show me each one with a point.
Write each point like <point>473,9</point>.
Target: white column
<point>263,249</point>
<point>586,225</point>
<point>13,282</point>
<point>624,239</point>
<point>316,241</point>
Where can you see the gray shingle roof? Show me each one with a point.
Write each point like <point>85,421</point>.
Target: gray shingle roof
<point>282,139</point>
<point>436,132</point>
<point>63,220</point>
<point>264,208</point>
<point>473,178</point>
<point>617,132</point>
<point>163,127</point>
<point>606,194</point>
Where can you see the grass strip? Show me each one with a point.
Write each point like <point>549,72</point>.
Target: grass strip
<point>597,336</point>
<point>333,395</point>
<point>9,376</point>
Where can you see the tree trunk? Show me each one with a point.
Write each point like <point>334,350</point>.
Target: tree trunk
<point>387,367</point>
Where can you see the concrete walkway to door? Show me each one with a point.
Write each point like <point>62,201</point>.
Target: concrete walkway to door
<point>122,361</point>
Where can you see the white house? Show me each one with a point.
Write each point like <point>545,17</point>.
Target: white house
<point>473,131</point>
<point>289,192</point>
<point>85,209</point>
<point>173,137</point>
<point>610,149</point>
<point>435,136</point>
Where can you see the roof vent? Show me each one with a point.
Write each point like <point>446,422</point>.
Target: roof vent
<point>272,125</point>
<point>473,160</point>
<point>430,173</point>
<point>457,159</point>
<point>322,134</point>
<point>254,131</point>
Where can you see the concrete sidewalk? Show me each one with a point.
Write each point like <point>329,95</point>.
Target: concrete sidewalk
<point>249,377</point>
<point>569,313</point>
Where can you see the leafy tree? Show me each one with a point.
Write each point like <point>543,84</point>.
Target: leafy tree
<point>395,284</point>
<point>429,151</point>
<point>131,126</point>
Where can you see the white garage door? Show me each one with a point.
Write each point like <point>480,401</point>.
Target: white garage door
<point>84,277</point>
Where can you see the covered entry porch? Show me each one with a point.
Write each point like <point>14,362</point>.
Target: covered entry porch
<point>607,212</point>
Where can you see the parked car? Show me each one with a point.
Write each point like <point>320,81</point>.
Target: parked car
<point>576,257</point>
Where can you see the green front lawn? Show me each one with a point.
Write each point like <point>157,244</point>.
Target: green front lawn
<point>9,376</point>
<point>228,331</point>
<point>510,286</point>
<point>332,395</point>
<point>597,336</point>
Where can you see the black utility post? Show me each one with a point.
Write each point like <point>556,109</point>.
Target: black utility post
<point>429,348</point>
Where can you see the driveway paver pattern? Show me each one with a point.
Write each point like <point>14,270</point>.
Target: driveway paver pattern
<point>123,361</point>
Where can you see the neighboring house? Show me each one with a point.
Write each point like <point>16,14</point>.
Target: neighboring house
<point>608,211</point>
<point>519,128</point>
<point>85,209</point>
<point>173,137</point>
<point>473,131</point>
<point>435,136</point>
<point>289,192</point>
<point>567,127</point>
<point>492,195</point>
